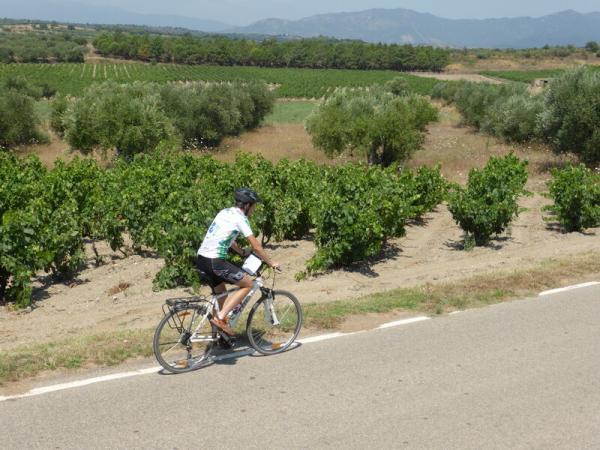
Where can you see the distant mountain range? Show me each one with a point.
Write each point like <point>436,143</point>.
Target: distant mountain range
<point>410,27</point>
<point>375,25</point>
<point>73,12</point>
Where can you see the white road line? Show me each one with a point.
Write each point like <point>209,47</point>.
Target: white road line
<point>403,322</point>
<point>80,383</point>
<point>322,337</point>
<point>118,376</point>
<point>569,288</point>
<point>309,340</point>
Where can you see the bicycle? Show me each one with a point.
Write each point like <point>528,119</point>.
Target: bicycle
<point>184,338</point>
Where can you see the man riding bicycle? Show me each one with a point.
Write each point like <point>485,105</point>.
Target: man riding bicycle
<point>220,237</point>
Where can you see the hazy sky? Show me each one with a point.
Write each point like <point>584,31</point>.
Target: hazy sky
<point>243,12</point>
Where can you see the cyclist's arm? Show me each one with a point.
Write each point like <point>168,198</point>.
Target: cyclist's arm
<point>260,252</point>
<point>238,249</point>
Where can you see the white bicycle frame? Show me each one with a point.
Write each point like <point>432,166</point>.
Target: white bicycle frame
<point>213,301</point>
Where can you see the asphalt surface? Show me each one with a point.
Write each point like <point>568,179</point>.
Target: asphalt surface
<point>524,374</point>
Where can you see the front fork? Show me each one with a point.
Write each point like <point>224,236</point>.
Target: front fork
<point>270,314</point>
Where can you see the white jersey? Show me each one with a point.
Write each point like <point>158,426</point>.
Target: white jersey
<point>223,231</point>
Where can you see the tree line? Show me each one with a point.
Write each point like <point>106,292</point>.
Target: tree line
<point>306,53</point>
<point>566,116</point>
<point>36,47</point>
<point>141,117</point>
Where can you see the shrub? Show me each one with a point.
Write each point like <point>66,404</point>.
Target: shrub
<point>474,100</point>
<point>431,189</point>
<point>489,202</point>
<point>18,120</point>
<point>372,122</point>
<point>507,111</point>
<point>514,118</point>
<point>571,120</point>
<point>576,195</point>
<point>592,47</point>
<point>58,108</point>
<point>40,227</point>
<point>205,113</point>
<point>359,209</point>
<point>128,118</point>
<point>397,86</point>
<point>447,90</point>
<point>20,84</point>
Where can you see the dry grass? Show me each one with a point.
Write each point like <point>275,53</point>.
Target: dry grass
<point>469,293</point>
<point>275,142</point>
<point>102,350</point>
<point>459,149</point>
<point>480,65</point>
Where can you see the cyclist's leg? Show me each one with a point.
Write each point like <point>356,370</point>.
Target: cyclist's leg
<point>235,298</point>
<point>232,274</point>
<point>219,289</point>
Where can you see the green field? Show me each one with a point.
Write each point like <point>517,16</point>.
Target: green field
<point>291,111</point>
<point>527,76</point>
<point>72,79</point>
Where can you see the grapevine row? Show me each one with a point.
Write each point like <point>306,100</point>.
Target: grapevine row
<point>166,202</point>
<point>72,79</point>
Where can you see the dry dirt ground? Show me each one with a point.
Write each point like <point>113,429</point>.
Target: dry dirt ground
<point>510,63</point>
<point>457,77</point>
<point>429,253</point>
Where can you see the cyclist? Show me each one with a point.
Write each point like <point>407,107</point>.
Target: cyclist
<point>219,238</point>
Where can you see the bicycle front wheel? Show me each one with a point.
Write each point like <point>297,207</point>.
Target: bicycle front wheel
<point>274,323</point>
<point>184,339</point>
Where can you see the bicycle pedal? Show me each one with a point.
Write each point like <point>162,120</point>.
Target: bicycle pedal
<point>226,342</point>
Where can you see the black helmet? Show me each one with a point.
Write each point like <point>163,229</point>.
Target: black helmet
<point>245,195</point>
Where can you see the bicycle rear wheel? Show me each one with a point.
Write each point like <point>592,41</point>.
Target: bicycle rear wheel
<point>273,329</point>
<point>184,338</point>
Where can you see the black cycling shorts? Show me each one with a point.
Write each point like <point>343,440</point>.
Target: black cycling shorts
<point>217,271</point>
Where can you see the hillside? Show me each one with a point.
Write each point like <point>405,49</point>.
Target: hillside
<point>406,26</point>
<point>74,12</point>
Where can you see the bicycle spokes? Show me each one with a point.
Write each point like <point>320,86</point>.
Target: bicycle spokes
<point>183,339</point>
<point>274,323</point>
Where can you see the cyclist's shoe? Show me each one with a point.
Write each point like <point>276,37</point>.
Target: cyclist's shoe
<point>222,325</point>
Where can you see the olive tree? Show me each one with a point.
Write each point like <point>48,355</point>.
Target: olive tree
<point>372,122</point>
<point>571,117</point>
<point>128,118</point>
<point>18,119</point>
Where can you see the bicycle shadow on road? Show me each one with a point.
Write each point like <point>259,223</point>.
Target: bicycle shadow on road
<point>230,357</point>
<point>243,349</point>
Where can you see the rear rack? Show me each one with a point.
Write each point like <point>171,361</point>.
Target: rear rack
<point>186,300</point>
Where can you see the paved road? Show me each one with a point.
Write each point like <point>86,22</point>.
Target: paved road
<point>524,374</point>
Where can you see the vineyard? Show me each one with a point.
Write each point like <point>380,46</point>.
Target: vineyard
<point>164,204</point>
<point>72,79</point>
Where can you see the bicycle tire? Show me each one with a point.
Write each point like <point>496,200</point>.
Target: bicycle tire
<point>172,337</point>
<point>284,303</point>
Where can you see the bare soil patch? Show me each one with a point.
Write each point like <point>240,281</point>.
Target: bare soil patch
<point>274,142</point>
<point>49,153</point>
<point>431,252</point>
<point>479,65</point>
<point>458,77</point>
